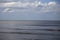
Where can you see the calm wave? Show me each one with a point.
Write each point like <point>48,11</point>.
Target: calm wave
<point>29,30</point>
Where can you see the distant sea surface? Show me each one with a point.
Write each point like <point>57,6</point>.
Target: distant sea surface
<point>29,30</point>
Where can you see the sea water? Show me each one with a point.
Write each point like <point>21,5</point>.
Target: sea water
<point>29,30</point>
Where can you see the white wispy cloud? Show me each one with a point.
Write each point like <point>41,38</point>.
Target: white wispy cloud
<point>52,3</point>
<point>44,7</point>
<point>26,4</point>
<point>8,10</point>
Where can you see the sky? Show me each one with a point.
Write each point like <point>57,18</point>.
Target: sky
<point>29,9</point>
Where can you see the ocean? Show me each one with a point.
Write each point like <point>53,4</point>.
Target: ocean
<point>29,30</point>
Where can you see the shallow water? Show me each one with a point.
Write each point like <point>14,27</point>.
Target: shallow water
<point>15,31</point>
